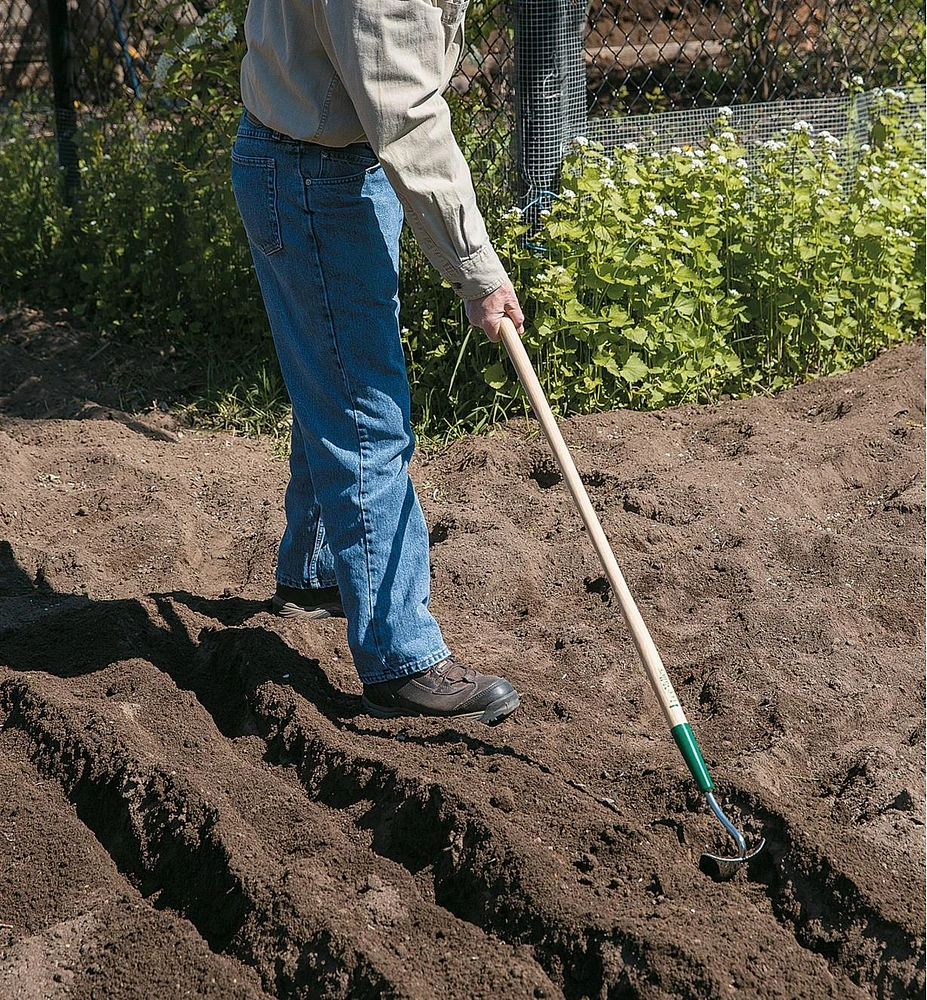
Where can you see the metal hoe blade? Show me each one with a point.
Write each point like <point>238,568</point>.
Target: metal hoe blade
<point>725,868</point>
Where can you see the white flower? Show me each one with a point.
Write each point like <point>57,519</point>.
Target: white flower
<point>876,170</point>
<point>700,154</point>
<point>735,205</point>
<point>513,213</point>
<point>631,147</point>
<point>580,140</point>
<point>544,213</point>
<point>608,183</point>
<point>865,148</point>
<point>654,155</point>
<point>633,181</point>
<point>671,213</point>
<point>802,126</point>
<point>899,95</point>
<point>719,198</point>
<point>844,238</point>
<point>684,233</point>
<point>676,149</point>
<point>857,80</point>
<point>728,136</point>
<point>722,159</point>
<point>647,221</point>
<point>905,174</point>
<point>567,193</point>
<point>690,153</point>
<point>892,164</point>
<point>714,148</point>
<point>874,202</point>
<point>741,164</point>
<point>725,112</point>
<point>773,145</point>
<point>659,210</point>
<point>822,192</point>
<point>694,195</point>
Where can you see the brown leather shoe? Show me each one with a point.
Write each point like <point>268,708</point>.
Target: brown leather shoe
<point>448,690</point>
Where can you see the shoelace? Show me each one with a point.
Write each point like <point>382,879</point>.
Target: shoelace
<point>453,671</point>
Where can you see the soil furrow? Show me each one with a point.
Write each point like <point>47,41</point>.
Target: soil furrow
<point>477,873</point>
<point>169,841</point>
<point>71,923</point>
<point>829,915</point>
<point>304,925</point>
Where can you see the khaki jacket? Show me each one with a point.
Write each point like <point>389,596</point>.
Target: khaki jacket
<point>341,71</point>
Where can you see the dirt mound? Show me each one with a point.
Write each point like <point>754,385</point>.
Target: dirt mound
<point>192,802</point>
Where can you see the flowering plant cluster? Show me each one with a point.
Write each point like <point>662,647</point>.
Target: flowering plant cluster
<point>667,278</point>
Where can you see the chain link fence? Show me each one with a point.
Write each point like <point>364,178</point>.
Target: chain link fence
<point>660,55</point>
<point>532,73</point>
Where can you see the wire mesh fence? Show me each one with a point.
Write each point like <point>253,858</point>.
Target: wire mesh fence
<point>658,55</point>
<point>532,73</point>
<point>605,69</point>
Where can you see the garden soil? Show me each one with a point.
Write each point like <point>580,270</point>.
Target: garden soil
<point>192,803</point>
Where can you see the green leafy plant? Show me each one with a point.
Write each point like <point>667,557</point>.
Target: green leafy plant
<point>674,278</point>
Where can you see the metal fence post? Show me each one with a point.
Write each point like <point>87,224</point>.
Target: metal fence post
<point>59,57</point>
<point>550,89</point>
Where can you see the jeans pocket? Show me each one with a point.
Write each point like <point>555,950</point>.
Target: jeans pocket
<point>346,162</point>
<point>254,181</point>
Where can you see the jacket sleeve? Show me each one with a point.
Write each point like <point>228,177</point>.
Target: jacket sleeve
<point>389,55</point>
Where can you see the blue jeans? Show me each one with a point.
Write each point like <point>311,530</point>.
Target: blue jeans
<point>323,225</point>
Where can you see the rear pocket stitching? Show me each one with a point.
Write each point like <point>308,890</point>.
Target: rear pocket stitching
<point>269,166</point>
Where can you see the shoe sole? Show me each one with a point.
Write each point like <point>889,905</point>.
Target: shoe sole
<point>287,609</point>
<point>494,713</point>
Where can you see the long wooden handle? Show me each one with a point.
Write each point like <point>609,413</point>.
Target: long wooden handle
<point>659,679</point>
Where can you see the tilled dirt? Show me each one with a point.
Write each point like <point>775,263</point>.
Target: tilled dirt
<point>193,804</point>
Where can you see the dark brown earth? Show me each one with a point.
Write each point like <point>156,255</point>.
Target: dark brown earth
<point>192,804</point>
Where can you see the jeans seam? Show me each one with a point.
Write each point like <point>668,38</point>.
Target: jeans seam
<point>313,574</point>
<point>361,442</point>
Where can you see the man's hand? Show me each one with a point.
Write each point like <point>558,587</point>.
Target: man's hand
<point>487,312</point>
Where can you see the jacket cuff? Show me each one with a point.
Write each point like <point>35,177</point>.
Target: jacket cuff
<point>478,275</point>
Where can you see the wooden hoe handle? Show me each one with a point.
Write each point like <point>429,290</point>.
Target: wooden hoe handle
<point>659,679</point>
